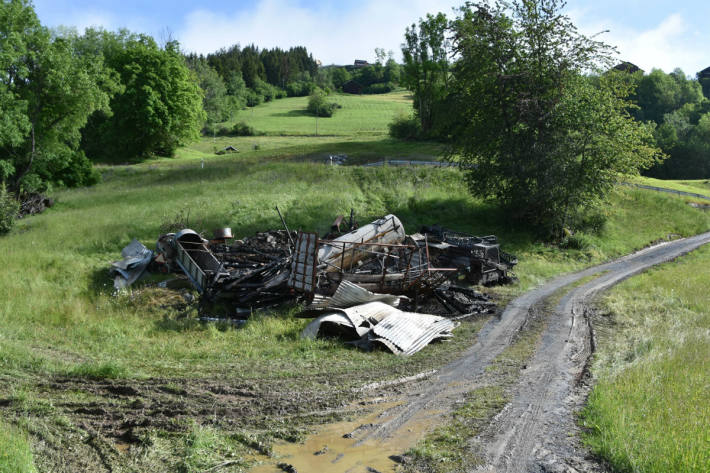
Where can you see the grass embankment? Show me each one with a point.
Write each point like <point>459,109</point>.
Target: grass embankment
<point>58,314</point>
<point>650,409</point>
<point>359,130</point>
<point>359,115</point>
<point>698,186</point>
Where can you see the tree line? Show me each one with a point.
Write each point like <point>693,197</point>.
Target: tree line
<point>235,77</point>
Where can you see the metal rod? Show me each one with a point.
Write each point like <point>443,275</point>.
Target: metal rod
<point>288,232</point>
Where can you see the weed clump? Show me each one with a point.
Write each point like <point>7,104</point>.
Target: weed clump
<point>9,206</point>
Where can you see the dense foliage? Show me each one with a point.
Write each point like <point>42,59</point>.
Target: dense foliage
<point>160,107</point>
<point>9,207</point>
<point>49,86</point>
<point>535,134</point>
<point>681,114</point>
<point>249,76</point>
<point>320,106</point>
<point>426,52</point>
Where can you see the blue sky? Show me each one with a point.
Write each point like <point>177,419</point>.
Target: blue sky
<point>648,33</point>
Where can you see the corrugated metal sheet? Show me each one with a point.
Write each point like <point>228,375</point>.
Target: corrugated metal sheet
<point>404,333</point>
<point>303,265</point>
<point>312,329</point>
<point>410,332</point>
<point>350,294</point>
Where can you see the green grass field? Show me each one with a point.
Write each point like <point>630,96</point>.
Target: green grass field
<point>359,115</point>
<point>650,409</point>
<point>698,186</point>
<point>60,321</point>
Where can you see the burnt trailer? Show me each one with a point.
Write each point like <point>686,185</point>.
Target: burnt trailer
<point>479,259</point>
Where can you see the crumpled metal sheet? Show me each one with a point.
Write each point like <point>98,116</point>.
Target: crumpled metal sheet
<point>350,294</point>
<point>403,333</point>
<point>136,258</point>
<point>312,329</point>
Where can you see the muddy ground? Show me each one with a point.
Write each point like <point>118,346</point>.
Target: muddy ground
<point>139,425</point>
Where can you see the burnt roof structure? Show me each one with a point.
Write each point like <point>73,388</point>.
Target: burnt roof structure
<point>626,66</point>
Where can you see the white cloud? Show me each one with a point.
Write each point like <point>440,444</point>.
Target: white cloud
<point>670,44</point>
<point>333,36</point>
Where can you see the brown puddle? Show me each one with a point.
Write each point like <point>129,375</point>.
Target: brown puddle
<point>328,451</point>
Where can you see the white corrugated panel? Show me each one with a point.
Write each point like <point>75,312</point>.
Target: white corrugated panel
<point>409,332</point>
<point>312,329</point>
<point>349,294</point>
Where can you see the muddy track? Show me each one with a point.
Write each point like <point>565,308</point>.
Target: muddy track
<point>532,432</point>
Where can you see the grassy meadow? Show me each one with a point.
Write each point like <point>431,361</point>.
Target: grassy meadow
<point>650,409</point>
<point>59,318</point>
<point>698,186</point>
<point>359,115</point>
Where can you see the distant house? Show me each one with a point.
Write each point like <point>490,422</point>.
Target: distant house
<point>352,87</point>
<point>704,79</point>
<point>627,67</point>
<point>361,63</point>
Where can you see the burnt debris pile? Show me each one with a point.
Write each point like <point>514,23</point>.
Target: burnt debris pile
<point>373,284</point>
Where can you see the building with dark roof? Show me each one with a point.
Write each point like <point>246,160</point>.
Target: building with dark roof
<point>627,67</point>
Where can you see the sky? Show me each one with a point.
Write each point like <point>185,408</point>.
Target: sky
<point>648,33</point>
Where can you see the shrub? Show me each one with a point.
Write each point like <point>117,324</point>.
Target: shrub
<point>379,88</point>
<point>242,129</point>
<point>300,88</point>
<point>238,129</point>
<point>575,241</point>
<point>319,106</point>
<point>78,171</point>
<point>405,127</point>
<point>9,206</point>
<point>253,98</point>
<point>267,91</point>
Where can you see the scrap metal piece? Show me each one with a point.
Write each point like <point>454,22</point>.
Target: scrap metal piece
<point>313,329</point>
<point>349,294</point>
<point>222,234</point>
<point>405,333</point>
<point>136,258</point>
<point>195,259</point>
<point>303,265</point>
<point>348,249</point>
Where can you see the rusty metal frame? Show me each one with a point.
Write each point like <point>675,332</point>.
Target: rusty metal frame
<point>300,280</point>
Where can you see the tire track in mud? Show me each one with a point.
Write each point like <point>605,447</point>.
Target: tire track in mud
<point>532,432</point>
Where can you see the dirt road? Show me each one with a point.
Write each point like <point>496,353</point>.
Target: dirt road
<point>532,433</point>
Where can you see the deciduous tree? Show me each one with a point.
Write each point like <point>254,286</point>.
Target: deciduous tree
<point>537,135</point>
<point>160,107</point>
<point>48,89</point>
<point>426,65</point>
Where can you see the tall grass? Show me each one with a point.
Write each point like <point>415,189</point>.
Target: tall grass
<point>15,453</point>
<point>650,411</point>
<point>55,291</point>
